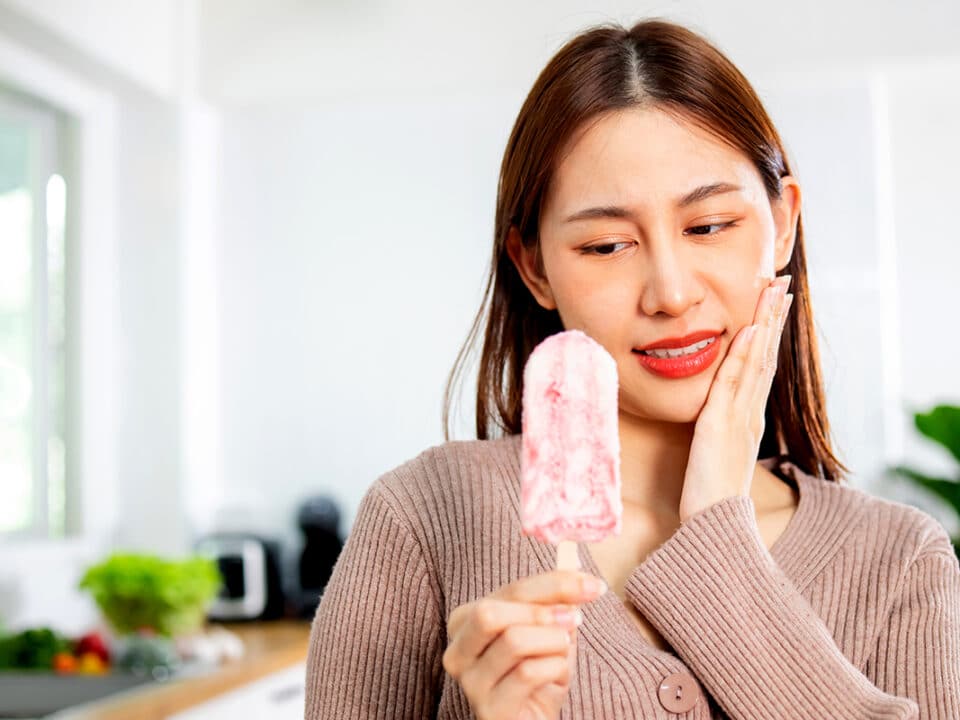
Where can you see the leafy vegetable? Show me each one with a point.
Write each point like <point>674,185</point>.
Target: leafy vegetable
<point>145,591</point>
<point>31,649</point>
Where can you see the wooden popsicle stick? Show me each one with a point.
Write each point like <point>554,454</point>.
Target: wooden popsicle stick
<point>567,556</point>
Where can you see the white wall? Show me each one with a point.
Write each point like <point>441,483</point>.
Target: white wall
<point>354,243</point>
<point>139,38</point>
<point>257,52</point>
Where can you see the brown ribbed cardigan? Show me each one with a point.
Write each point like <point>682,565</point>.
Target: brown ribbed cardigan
<point>853,613</point>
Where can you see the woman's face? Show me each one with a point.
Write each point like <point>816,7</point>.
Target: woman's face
<point>653,229</point>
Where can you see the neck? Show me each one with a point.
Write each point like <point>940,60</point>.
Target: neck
<point>653,462</point>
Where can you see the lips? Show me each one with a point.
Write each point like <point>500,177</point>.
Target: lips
<point>673,343</point>
<point>683,365</point>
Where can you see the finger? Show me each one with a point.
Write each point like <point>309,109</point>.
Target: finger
<point>768,360</point>
<point>530,674</point>
<point>758,359</point>
<point>572,653</point>
<point>786,313</point>
<point>492,614</point>
<point>733,373</point>
<point>728,376</point>
<point>472,628</point>
<point>519,642</point>
<point>557,586</point>
<point>765,382</point>
<point>776,324</point>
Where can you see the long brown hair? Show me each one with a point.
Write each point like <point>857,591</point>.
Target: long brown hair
<point>608,68</point>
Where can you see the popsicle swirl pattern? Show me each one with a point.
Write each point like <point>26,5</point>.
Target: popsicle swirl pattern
<point>571,444</point>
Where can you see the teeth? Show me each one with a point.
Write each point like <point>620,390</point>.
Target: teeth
<point>677,352</point>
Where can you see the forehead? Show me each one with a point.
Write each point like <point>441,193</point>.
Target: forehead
<point>644,157</point>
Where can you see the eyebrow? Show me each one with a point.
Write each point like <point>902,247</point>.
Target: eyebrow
<point>694,196</point>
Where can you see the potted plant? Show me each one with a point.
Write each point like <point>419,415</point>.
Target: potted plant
<point>139,593</point>
<point>942,425</point>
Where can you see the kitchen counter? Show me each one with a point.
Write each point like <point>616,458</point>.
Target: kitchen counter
<point>268,648</point>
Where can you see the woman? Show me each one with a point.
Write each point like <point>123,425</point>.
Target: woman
<point>646,200</point>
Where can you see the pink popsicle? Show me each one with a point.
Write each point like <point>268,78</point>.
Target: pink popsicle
<point>570,456</point>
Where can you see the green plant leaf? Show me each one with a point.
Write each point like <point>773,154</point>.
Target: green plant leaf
<point>948,490</point>
<point>942,425</point>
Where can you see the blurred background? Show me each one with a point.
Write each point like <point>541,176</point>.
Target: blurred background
<point>241,243</point>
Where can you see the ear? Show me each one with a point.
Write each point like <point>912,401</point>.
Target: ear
<point>525,260</point>
<point>786,211</point>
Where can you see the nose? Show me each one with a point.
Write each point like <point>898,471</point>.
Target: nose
<point>669,286</point>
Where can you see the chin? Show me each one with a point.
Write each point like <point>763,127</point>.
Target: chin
<point>676,407</point>
<point>677,413</point>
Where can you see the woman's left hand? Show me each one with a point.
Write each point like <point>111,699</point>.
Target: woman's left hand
<point>726,439</point>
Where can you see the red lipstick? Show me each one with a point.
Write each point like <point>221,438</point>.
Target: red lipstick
<point>682,365</point>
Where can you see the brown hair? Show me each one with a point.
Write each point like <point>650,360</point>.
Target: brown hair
<point>609,68</point>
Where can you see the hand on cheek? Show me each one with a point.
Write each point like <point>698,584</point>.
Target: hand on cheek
<point>727,435</point>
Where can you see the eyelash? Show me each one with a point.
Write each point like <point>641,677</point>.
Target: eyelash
<point>592,250</point>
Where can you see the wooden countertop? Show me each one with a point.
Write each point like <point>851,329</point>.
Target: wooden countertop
<point>269,646</point>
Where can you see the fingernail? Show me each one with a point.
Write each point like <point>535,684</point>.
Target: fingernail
<point>787,300</point>
<point>594,586</point>
<point>568,617</point>
<point>773,295</point>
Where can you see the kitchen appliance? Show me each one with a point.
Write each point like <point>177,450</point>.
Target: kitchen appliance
<point>319,521</point>
<point>250,565</point>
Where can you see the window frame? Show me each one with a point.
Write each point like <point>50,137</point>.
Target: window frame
<point>91,421</point>
<point>44,128</point>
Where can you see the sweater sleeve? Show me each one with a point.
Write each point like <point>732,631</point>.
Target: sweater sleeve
<point>376,641</point>
<point>917,653</point>
<point>717,596</point>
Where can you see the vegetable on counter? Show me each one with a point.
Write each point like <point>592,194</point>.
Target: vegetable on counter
<point>45,649</point>
<point>64,663</point>
<point>135,592</point>
<point>92,643</point>
<point>32,649</point>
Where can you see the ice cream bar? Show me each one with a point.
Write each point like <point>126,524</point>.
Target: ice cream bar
<point>570,454</point>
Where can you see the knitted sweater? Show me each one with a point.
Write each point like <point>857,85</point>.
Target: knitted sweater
<point>852,614</point>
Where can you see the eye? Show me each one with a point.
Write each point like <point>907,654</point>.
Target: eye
<point>705,229</point>
<point>605,249</point>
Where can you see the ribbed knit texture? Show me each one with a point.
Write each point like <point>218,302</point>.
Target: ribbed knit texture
<point>853,614</point>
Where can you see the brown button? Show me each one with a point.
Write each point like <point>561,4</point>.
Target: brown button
<point>679,692</point>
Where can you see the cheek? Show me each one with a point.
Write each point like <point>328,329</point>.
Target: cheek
<point>767,261</point>
<point>764,242</point>
<point>743,298</point>
<point>599,309</point>
<point>744,280</point>
<point>604,310</point>
<point>582,293</point>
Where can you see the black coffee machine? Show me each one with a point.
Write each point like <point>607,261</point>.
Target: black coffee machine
<point>319,521</point>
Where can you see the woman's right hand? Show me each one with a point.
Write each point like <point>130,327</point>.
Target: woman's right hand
<point>513,651</point>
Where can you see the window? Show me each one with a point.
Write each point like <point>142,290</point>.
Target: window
<point>33,301</point>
